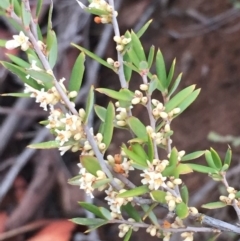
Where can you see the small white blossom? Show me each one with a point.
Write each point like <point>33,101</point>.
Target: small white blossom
<point>18,41</point>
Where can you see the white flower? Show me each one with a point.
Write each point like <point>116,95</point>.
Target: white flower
<point>17,41</point>
<point>63,149</point>
<point>63,136</point>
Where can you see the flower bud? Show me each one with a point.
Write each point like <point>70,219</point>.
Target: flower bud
<point>144,87</point>
<point>110,61</point>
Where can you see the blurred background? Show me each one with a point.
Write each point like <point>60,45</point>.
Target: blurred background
<point>35,199</point>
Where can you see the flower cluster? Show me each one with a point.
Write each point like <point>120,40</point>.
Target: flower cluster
<point>152,230</point>
<point>172,201</point>
<point>116,202</point>
<point>124,228</point>
<point>106,8</point>
<point>121,117</point>
<point>115,64</point>
<point>121,41</point>
<point>152,175</point>
<point>120,164</point>
<point>231,196</point>
<point>139,98</point>
<point>87,180</point>
<point>188,236</point>
<point>20,40</point>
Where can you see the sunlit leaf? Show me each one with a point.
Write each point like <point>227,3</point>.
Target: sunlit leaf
<point>76,78</point>
<point>19,61</point>
<point>89,221</point>
<point>127,69</point>
<point>123,94</point>
<point>214,205</point>
<point>171,72</point>
<point>201,168</point>
<point>137,127</point>
<point>100,111</point>
<point>91,164</point>
<point>182,210</point>
<point>161,69</point>
<point>228,156</point>
<point>151,56</point>
<point>128,235</point>
<point>216,159</point>
<point>175,85</point>
<point>89,103</point>
<point>142,30</point>
<point>45,145</point>
<point>158,196</point>
<point>137,47</point>
<point>53,51</point>
<point>192,156</point>
<point>184,194</point>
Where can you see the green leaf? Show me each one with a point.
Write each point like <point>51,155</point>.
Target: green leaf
<point>93,209</point>
<point>108,124</point>
<point>45,145</point>
<point>209,159</point>
<point>127,70</point>
<point>201,168</point>
<point>89,103</point>
<point>49,26</point>
<point>77,73</point>
<point>100,111</point>
<point>237,194</point>
<point>123,94</point>
<point>100,183</point>
<point>135,157</point>
<point>26,16</point>
<point>128,235</point>
<point>19,61</point>
<point>39,7</point>
<point>131,66</point>
<point>134,59</point>
<point>53,51</point>
<point>142,30</point>
<point>91,164</point>
<point>182,210</point>
<point>151,215</point>
<point>137,47</point>
<point>161,69</point>
<point>43,76</point>
<point>132,212</point>
<point>173,160</point>
<point>175,85</point>
<point>17,94</point>
<point>150,148</point>
<point>106,213</point>
<point>39,33</point>
<point>184,194</point>
<point>4,4</point>
<point>17,8</point>
<point>158,196</point>
<point>137,191</point>
<point>214,205</point>
<point>138,149</point>
<point>192,156</point>
<point>137,127</point>
<point>21,73</point>
<point>93,56</point>
<point>228,156</point>
<point>216,159</point>
<point>96,11</point>
<point>151,56</point>
<point>89,221</point>
<point>182,169</point>
<point>149,210</point>
<point>179,98</point>
<point>171,72</point>
<point>153,85</point>
<point>189,100</point>
<point>74,180</point>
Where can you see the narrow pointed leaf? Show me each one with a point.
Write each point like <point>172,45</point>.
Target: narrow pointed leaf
<point>26,16</point>
<point>138,149</point>
<point>93,56</point>
<point>175,85</point>
<point>150,148</point>
<point>53,52</point>
<point>91,164</point>
<point>134,59</point>
<point>21,73</point>
<point>123,94</point>
<point>137,127</point>
<point>201,168</point>
<point>45,145</point>
<point>137,47</point>
<point>151,56</point>
<point>89,103</point>
<point>100,183</point>
<point>182,169</point>
<point>161,69</point>
<point>74,180</point>
<point>214,205</point>
<point>173,160</point>
<point>4,4</point>
<point>137,191</point>
<point>49,26</point>
<point>127,70</point>
<point>228,156</point>
<point>171,72</point>
<point>17,94</point>
<point>108,125</point>
<point>184,194</point>
<point>19,61</point>
<point>92,208</point>
<point>77,73</point>
<point>192,156</point>
<point>132,212</point>
<point>209,159</point>
<point>100,111</point>
<point>89,221</point>
<point>216,158</point>
<point>128,235</point>
<point>158,196</point>
<point>179,98</point>
<point>39,7</point>
<point>143,29</point>
<point>151,215</point>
